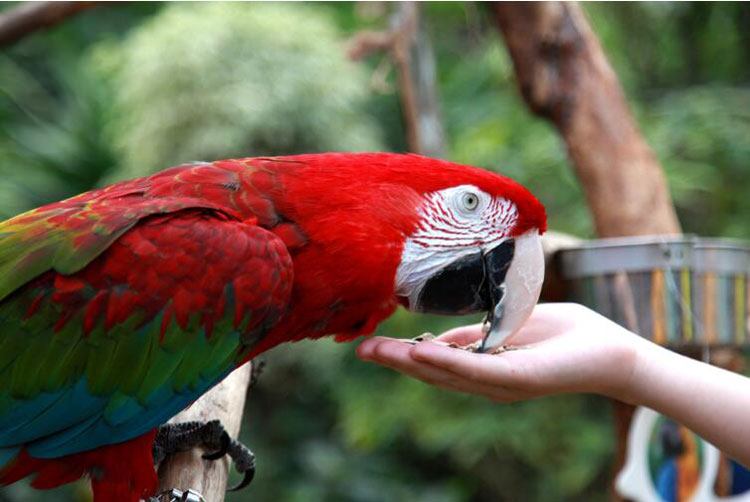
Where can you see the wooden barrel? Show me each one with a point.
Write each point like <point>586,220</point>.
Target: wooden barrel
<point>676,291</point>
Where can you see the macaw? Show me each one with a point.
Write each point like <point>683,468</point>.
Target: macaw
<point>121,306</point>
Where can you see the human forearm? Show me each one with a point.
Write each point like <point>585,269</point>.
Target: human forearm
<point>713,402</point>
<point>569,348</point>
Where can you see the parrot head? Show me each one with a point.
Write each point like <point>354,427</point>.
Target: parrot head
<point>477,247</point>
<point>434,236</point>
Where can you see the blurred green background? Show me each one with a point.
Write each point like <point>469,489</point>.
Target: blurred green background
<point>124,90</point>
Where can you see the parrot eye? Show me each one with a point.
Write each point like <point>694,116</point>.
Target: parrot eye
<point>470,201</point>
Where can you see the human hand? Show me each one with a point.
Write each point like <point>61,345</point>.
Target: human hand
<point>563,347</point>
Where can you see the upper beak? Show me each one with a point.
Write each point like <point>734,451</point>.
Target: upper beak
<point>505,282</point>
<point>517,292</point>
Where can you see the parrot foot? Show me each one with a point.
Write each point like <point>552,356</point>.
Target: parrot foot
<point>173,438</point>
<point>175,495</point>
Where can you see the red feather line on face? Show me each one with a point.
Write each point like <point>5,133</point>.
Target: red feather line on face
<point>441,228</point>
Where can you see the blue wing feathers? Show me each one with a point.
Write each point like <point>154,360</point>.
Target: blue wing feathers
<point>72,406</point>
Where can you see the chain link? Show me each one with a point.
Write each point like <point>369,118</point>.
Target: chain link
<point>175,495</point>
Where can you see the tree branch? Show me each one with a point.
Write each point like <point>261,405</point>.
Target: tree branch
<point>29,17</point>
<point>412,54</point>
<point>186,470</point>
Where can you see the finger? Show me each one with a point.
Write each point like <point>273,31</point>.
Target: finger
<point>366,349</point>
<point>396,355</point>
<point>463,335</point>
<point>481,368</point>
<point>496,391</point>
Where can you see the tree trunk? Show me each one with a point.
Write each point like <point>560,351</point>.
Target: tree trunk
<point>564,77</point>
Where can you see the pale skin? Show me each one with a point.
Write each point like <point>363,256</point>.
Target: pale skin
<point>567,348</point>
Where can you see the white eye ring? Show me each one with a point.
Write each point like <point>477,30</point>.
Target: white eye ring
<point>470,200</point>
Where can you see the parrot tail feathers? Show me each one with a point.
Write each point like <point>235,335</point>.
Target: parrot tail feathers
<point>107,491</point>
<point>122,471</point>
<point>49,473</point>
<point>125,471</point>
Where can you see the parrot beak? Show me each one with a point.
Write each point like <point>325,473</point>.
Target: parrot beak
<point>515,286</point>
<point>504,281</point>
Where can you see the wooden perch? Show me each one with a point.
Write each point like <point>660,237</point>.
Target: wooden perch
<point>187,470</point>
<point>564,76</point>
<point>411,52</point>
<point>17,22</point>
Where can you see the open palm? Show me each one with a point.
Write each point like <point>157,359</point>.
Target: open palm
<point>561,348</point>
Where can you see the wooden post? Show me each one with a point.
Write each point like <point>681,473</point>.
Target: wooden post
<point>187,470</point>
<point>564,76</point>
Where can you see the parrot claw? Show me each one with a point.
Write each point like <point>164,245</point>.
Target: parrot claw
<point>173,438</point>
<point>223,448</point>
<point>249,474</point>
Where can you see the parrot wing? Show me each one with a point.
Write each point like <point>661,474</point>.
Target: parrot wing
<point>67,235</point>
<point>105,334</point>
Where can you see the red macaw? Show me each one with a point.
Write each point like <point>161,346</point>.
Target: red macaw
<point>121,306</point>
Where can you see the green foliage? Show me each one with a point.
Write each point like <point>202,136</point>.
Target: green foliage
<point>701,134</point>
<point>119,92</point>
<point>50,148</point>
<point>258,79</point>
<point>672,45</point>
<point>53,110</point>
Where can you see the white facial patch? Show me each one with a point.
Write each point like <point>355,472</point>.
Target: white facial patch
<point>456,222</point>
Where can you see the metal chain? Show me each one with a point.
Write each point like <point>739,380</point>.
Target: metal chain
<point>175,495</point>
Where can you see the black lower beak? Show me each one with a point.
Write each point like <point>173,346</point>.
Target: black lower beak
<point>469,285</point>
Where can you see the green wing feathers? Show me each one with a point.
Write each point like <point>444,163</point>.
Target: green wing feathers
<point>116,313</point>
